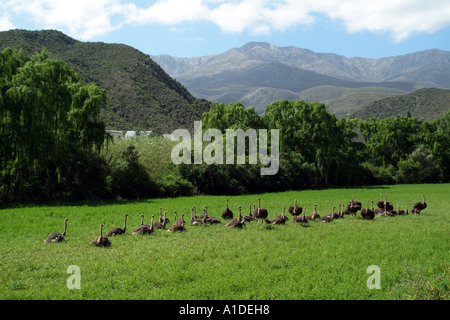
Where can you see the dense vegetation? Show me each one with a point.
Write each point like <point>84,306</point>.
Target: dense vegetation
<point>49,128</point>
<point>53,145</point>
<point>142,96</point>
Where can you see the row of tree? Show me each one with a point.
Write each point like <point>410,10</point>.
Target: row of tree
<point>318,150</point>
<point>53,145</point>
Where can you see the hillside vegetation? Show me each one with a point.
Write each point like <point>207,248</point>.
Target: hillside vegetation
<point>426,104</point>
<point>141,94</point>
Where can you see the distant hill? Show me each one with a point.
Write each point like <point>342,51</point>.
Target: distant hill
<point>142,94</point>
<point>344,84</point>
<point>425,104</point>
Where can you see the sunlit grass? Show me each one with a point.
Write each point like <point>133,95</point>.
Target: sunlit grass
<point>317,261</point>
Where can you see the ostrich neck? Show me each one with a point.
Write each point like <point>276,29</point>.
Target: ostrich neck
<point>65,227</point>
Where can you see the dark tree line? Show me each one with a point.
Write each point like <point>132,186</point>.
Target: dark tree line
<point>318,150</point>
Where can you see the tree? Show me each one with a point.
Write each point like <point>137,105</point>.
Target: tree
<point>48,115</point>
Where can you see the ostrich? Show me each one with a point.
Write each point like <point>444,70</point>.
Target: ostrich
<point>161,224</point>
<point>280,219</point>
<point>227,213</point>
<point>165,218</point>
<point>419,206</point>
<point>237,222</point>
<point>344,210</point>
<point>101,240</point>
<point>389,206</point>
<point>314,215</point>
<point>144,228</point>
<point>249,217</point>
<point>118,231</point>
<point>367,213</point>
<point>208,219</point>
<point>295,210</point>
<point>354,206</point>
<point>364,210</point>
<point>195,222</point>
<point>328,217</point>
<point>301,219</point>
<point>200,216</point>
<point>178,227</point>
<point>400,211</point>
<point>178,221</point>
<point>386,212</point>
<point>395,212</point>
<point>260,213</point>
<point>380,203</point>
<point>341,211</point>
<point>57,237</point>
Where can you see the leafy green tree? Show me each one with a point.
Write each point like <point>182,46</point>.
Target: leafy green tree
<point>48,115</point>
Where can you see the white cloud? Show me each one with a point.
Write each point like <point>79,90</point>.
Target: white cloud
<point>81,18</point>
<point>90,18</point>
<point>5,24</point>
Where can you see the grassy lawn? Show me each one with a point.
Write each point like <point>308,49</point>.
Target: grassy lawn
<point>317,261</point>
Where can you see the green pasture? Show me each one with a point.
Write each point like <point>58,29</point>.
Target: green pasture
<point>315,261</point>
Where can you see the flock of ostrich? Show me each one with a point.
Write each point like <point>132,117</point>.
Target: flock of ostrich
<point>384,209</point>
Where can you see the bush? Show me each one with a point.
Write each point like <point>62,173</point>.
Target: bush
<point>128,177</point>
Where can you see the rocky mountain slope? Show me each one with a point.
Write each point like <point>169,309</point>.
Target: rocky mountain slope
<point>259,73</point>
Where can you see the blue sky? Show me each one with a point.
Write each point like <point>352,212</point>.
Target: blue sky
<point>187,28</point>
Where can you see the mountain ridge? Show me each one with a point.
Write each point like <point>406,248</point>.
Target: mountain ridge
<point>235,75</point>
<point>142,94</point>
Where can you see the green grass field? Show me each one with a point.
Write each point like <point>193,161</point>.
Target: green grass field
<point>317,261</point>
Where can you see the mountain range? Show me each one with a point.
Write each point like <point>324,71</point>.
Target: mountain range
<point>142,95</point>
<point>145,96</point>
<point>259,73</point>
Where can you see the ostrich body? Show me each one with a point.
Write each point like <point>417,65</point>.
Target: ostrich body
<point>178,227</point>
<point>161,220</point>
<point>56,236</point>
<point>161,224</point>
<point>314,215</point>
<point>295,210</point>
<point>118,231</point>
<point>101,240</point>
<point>380,203</point>
<point>144,228</point>
<point>419,206</point>
<point>249,217</point>
<point>208,219</point>
<point>237,222</point>
<point>280,219</point>
<point>260,213</point>
<point>354,206</point>
<point>227,213</point>
<point>301,219</point>
<point>389,206</point>
<point>195,222</point>
<point>399,211</point>
<point>328,217</point>
<point>367,213</point>
<point>178,221</point>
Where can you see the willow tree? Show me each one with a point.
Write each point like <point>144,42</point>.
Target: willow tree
<point>47,115</point>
